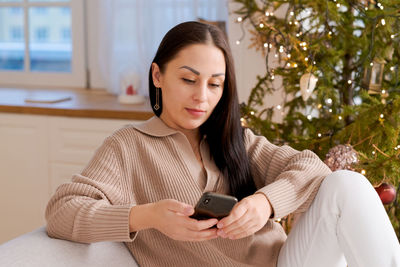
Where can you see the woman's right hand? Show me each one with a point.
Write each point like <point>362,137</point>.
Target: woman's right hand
<point>171,217</point>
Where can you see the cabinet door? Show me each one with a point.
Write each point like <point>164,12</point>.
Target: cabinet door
<point>23,173</point>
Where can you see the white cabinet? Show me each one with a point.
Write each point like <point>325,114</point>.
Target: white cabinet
<point>37,154</point>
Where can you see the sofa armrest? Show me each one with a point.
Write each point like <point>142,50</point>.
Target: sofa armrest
<point>37,249</point>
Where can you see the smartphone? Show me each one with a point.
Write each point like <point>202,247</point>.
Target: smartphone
<point>213,205</point>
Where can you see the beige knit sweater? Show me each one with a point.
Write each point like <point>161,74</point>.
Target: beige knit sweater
<point>149,162</point>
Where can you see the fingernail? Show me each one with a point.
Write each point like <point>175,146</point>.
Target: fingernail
<point>221,233</point>
<point>188,210</point>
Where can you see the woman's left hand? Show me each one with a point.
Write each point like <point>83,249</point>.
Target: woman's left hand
<point>247,217</point>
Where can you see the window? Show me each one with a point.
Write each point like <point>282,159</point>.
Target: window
<point>41,34</point>
<point>16,33</point>
<point>42,43</point>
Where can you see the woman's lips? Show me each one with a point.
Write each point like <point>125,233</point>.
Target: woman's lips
<point>195,112</point>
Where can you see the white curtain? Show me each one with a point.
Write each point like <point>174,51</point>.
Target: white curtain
<point>131,30</point>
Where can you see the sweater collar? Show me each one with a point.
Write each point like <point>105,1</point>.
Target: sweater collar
<point>155,127</point>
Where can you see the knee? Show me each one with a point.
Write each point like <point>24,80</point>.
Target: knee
<point>347,182</point>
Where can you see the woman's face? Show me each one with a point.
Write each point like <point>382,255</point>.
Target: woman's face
<point>192,84</point>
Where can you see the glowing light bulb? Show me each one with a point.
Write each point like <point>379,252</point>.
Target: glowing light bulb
<point>383,22</point>
<point>371,64</point>
<point>340,118</point>
<point>329,101</point>
<point>265,44</point>
<point>278,107</point>
<point>291,13</point>
<point>383,91</point>
<point>309,117</point>
<point>306,59</point>
<point>261,25</point>
<point>252,112</point>
<point>381,116</point>
<point>349,82</point>
<point>238,42</point>
<point>239,19</point>
<point>392,68</point>
<point>363,172</point>
<point>319,134</point>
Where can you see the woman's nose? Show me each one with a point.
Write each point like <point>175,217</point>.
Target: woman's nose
<point>200,93</point>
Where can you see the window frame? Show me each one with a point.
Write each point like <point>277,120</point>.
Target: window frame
<point>77,77</point>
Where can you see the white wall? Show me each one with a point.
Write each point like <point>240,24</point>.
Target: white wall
<point>248,62</point>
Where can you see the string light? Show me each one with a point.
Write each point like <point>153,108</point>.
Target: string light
<point>289,55</point>
<point>276,55</point>
<point>239,19</point>
<point>252,112</point>
<point>383,22</point>
<point>329,101</point>
<point>330,110</point>
<point>288,64</point>
<point>281,49</point>
<point>330,33</point>
<point>392,68</point>
<point>371,64</point>
<point>238,42</point>
<point>349,81</point>
<point>366,8</point>
<point>392,36</point>
<point>340,118</point>
<point>272,77</point>
<point>265,45</point>
<point>319,134</point>
<point>267,13</point>
<point>306,59</point>
<point>309,117</point>
<point>279,107</point>
<point>314,62</point>
<point>363,172</point>
<point>381,116</point>
<point>373,152</point>
<point>261,25</point>
<point>297,34</point>
<point>338,5</point>
<point>291,13</point>
<point>383,91</point>
<point>319,106</point>
<point>295,65</point>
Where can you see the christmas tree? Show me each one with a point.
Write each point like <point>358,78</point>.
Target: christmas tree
<point>339,65</point>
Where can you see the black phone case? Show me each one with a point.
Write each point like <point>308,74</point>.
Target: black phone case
<point>213,205</point>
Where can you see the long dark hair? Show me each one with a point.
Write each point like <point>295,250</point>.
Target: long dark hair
<point>225,135</point>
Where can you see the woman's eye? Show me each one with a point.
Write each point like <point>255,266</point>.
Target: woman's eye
<point>214,85</point>
<point>188,80</point>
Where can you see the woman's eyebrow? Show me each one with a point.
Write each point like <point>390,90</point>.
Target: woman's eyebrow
<point>198,73</point>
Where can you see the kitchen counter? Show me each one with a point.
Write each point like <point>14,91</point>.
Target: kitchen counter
<point>82,103</point>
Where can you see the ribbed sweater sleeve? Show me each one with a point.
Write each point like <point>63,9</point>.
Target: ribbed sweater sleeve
<point>289,178</point>
<point>88,209</point>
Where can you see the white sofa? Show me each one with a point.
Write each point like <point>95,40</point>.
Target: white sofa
<point>37,249</point>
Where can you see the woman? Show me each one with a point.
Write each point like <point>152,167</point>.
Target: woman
<point>142,183</point>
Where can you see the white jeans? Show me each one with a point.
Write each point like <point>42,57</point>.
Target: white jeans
<point>345,224</point>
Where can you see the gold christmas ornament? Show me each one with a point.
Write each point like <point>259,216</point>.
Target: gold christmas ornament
<point>373,75</point>
<point>307,84</point>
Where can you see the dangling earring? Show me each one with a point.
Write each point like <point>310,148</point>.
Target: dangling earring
<point>157,105</point>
